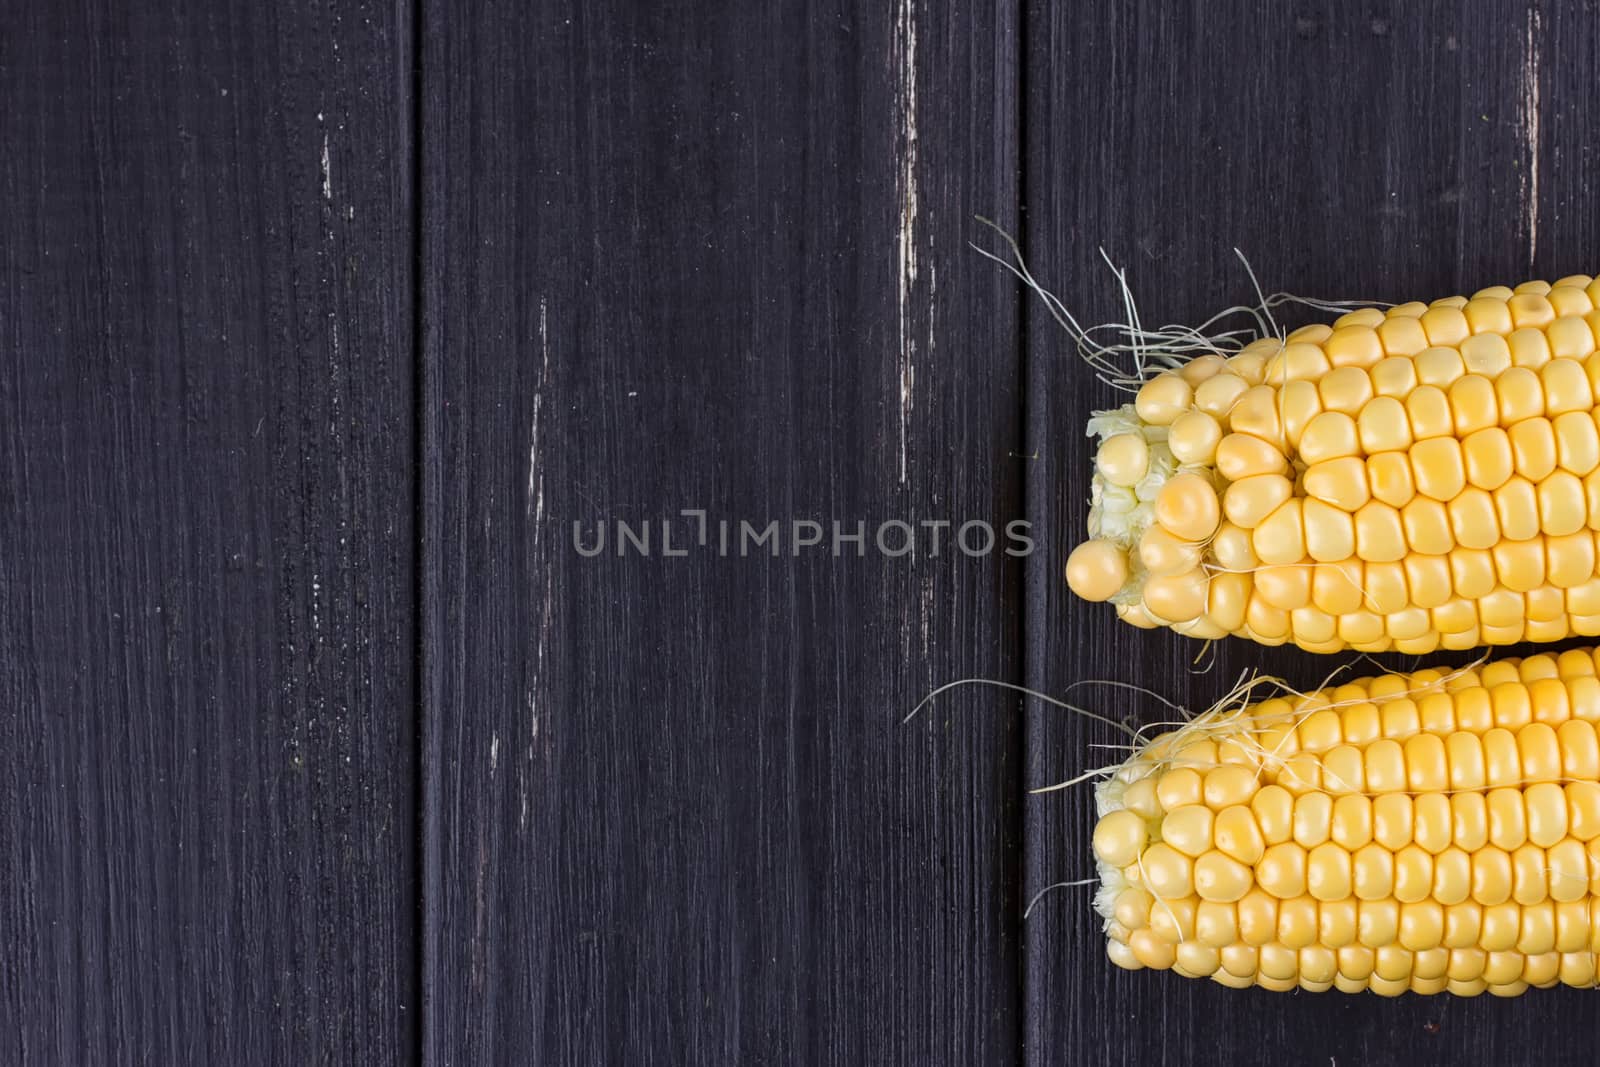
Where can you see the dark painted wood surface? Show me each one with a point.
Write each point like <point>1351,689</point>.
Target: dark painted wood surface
<point>713,257</point>
<point>319,739</point>
<point>1380,152</point>
<point>207,537</point>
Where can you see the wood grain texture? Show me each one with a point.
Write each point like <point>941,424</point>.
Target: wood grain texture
<point>206,535</point>
<point>713,256</point>
<point>1381,152</point>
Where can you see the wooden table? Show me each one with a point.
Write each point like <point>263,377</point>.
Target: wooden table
<point>324,323</point>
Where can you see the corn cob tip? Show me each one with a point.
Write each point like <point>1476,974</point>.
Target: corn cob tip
<point>1431,832</point>
<point>1421,477</point>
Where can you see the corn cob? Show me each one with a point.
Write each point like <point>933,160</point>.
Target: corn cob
<point>1431,832</point>
<point>1418,478</point>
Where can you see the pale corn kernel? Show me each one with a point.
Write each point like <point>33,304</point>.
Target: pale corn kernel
<point>1287,587</point>
<point>1583,807</point>
<point>1256,413</point>
<point>1352,820</point>
<point>1383,584</point>
<point>1193,438</point>
<point>1533,447</point>
<point>1273,807</point>
<point>1297,361</point>
<point>1336,923</point>
<point>1426,769</point>
<point>1439,468</point>
<point>1516,507</point>
<point>1216,924</point>
<point>1227,599</point>
<point>1237,834</point>
<point>1187,505</point>
<point>1530,309</point>
<point>1473,518</point>
<point>1529,348</point>
<point>1488,458</point>
<point>1431,820</point>
<point>1437,713</point>
<point>1570,338</point>
<point>1346,389</point>
<point>1220,878</point>
<point>1397,376</point>
<point>1328,875</point>
<point>1329,435</point>
<point>1439,366</point>
<point>1166,871</point>
<point>1390,479</point>
<point>1162,399</point>
<point>1568,871</point>
<point>1164,553</point>
<point>1463,924</point>
<point>1488,315</point>
<point>1519,395</point>
<point>1382,426</point>
<point>1508,818</point>
<point>1280,537</point>
<point>1445,325</point>
<point>1572,920</point>
<point>1248,501</point>
<point>1240,455</point>
<point>1472,578</point>
<point>1359,722</point>
<point>1421,926</point>
<point>1577,442</point>
<point>1519,565</point>
<point>1188,829</point>
<point>1312,820</point>
<point>1413,874</point>
<point>1216,396</point>
<point>1530,879</point>
<point>1425,526</point>
<point>1201,368</point>
<point>1265,623</point>
<point>1378,923</point>
<point>1565,387</point>
<point>1342,482</point>
<point>1487,354</point>
<point>1282,870</point>
<point>1580,751</point>
<point>1400,718</point>
<point>1469,820</point>
<point>1176,597</point>
<point>1380,536</point>
<point>1428,409</point>
<point>1402,335</point>
<point>1329,533</point>
<point>1179,787</point>
<point>1562,508</point>
<point>1591,499</point>
<point>1473,404</point>
<point>1464,750</point>
<point>1354,342</point>
<point>1546,804</point>
<point>1232,549</point>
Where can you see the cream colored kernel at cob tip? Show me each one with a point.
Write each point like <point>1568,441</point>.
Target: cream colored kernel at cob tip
<point>1432,832</point>
<point>1421,477</point>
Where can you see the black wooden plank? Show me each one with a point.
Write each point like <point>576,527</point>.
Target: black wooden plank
<point>712,256</point>
<point>1379,152</point>
<point>206,627</point>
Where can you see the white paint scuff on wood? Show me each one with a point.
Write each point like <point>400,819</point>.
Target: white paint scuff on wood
<point>535,474</point>
<point>1530,129</point>
<point>327,169</point>
<point>905,45</point>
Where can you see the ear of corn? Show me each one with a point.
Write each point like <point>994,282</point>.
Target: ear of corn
<point>1431,832</point>
<point>1418,478</point>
